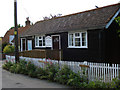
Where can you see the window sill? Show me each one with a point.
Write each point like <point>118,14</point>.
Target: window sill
<point>77,47</point>
<point>40,47</point>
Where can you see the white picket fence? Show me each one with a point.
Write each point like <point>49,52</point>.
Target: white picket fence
<point>94,71</point>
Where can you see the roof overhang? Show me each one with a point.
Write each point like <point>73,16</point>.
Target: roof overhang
<point>109,23</point>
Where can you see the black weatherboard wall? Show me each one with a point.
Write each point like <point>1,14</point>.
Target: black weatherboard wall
<point>103,46</point>
<point>91,53</point>
<point>112,43</point>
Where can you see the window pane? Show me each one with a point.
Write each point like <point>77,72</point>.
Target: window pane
<point>83,39</point>
<point>36,39</point>
<point>40,37</point>
<point>83,43</point>
<point>43,41</point>
<point>77,42</point>
<point>77,34</point>
<point>40,42</point>
<point>70,39</point>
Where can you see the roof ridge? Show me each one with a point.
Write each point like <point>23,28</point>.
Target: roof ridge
<point>80,12</point>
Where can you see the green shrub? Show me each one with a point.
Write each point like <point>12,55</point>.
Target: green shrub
<point>23,65</point>
<point>8,49</point>
<point>115,83</point>
<point>41,73</point>
<point>74,79</point>
<point>7,65</point>
<point>18,68</point>
<point>13,68</point>
<point>3,45</point>
<point>31,68</point>
<point>51,70</point>
<point>62,75</point>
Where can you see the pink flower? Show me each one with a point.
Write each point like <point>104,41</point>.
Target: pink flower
<point>45,60</point>
<point>50,61</point>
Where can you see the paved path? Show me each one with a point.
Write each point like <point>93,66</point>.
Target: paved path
<point>10,80</point>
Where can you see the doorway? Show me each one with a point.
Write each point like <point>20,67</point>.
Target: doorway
<point>23,44</point>
<point>29,43</point>
<point>55,42</point>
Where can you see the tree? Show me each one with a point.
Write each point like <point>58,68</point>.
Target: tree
<point>18,26</point>
<point>51,16</point>
<point>117,19</point>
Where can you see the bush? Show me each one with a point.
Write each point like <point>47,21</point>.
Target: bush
<point>54,73</point>
<point>3,45</point>
<point>31,68</point>
<point>8,49</point>
<point>23,69</point>
<point>13,68</point>
<point>7,65</point>
<point>41,73</point>
<point>74,79</point>
<point>62,75</point>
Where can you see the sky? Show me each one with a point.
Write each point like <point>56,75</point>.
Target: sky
<point>37,9</point>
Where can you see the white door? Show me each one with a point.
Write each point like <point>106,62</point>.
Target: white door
<point>29,44</point>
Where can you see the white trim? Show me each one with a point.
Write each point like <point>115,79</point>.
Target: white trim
<point>59,41</point>
<point>38,42</point>
<point>80,39</point>
<point>22,44</point>
<point>77,47</point>
<point>27,44</point>
<point>109,23</point>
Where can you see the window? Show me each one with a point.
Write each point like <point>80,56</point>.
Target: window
<point>40,41</point>
<point>70,39</point>
<point>11,37</point>
<point>77,40</point>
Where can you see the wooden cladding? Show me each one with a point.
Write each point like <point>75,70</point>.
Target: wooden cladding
<point>52,54</point>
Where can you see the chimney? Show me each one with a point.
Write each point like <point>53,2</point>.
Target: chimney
<point>27,22</point>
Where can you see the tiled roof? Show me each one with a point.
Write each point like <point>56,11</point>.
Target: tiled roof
<point>87,20</point>
<point>11,32</point>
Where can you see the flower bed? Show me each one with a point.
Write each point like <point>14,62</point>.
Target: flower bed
<point>53,72</point>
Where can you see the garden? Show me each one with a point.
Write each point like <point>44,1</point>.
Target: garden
<point>54,73</point>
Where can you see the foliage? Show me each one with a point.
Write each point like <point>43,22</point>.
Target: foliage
<point>41,73</point>
<point>51,16</point>
<point>7,65</point>
<point>51,70</point>
<point>117,19</point>
<point>8,49</point>
<point>61,75</point>
<point>3,45</point>
<point>13,68</point>
<point>18,26</point>
<point>31,69</point>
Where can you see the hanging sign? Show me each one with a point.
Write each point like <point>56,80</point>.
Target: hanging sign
<point>48,41</point>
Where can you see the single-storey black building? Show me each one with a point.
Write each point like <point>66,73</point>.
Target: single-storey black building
<point>85,36</point>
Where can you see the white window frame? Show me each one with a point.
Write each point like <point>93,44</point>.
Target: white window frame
<point>59,41</point>
<point>80,40</point>
<point>10,40</point>
<point>38,41</point>
<point>22,44</point>
<point>27,44</point>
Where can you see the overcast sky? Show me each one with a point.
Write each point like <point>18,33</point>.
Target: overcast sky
<point>37,9</point>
